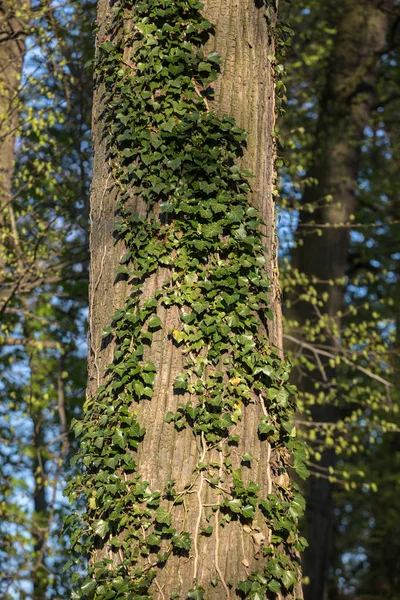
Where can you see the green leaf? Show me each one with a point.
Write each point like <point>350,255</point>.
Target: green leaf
<point>212,230</point>
<point>274,586</point>
<point>282,398</point>
<point>101,528</point>
<point>155,322</point>
<point>289,578</point>
<point>174,164</point>
<point>248,457</point>
<point>170,416</point>
<point>297,506</point>
<point>77,427</point>
<point>265,427</point>
<point>153,540</point>
<point>197,594</point>
<point>182,541</point>
<point>244,586</point>
<point>248,512</point>
<point>214,57</point>
<point>207,530</point>
<point>180,382</point>
<point>162,516</point>
<point>150,367</point>
<point>119,439</point>
<point>67,565</point>
<point>301,469</point>
<point>88,586</point>
<point>235,505</point>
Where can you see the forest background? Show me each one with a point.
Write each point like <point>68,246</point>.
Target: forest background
<point>338,226</point>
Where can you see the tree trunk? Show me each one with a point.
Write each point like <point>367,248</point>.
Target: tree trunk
<point>207,472</point>
<point>40,516</point>
<point>343,115</point>
<point>12,52</point>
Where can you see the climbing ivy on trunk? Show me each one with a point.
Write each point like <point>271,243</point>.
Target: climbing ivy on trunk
<point>194,266</point>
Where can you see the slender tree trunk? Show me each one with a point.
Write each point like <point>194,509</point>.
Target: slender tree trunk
<point>40,522</point>
<point>344,113</point>
<point>12,52</point>
<point>218,561</point>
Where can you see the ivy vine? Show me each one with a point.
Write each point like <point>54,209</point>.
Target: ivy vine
<point>169,149</point>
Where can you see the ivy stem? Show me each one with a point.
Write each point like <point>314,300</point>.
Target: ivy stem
<point>199,492</point>
<point>216,555</point>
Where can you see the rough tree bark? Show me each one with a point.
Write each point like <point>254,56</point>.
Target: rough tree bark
<point>244,90</point>
<point>343,115</point>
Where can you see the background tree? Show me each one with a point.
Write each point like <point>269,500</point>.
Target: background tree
<point>339,326</point>
<point>45,119</point>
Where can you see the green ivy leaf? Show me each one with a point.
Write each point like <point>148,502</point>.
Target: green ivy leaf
<point>162,516</point>
<point>119,439</point>
<point>180,382</point>
<point>289,578</point>
<point>153,540</point>
<point>196,594</point>
<point>235,505</point>
<point>248,512</point>
<point>155,322</point>
<point>101,528</point>
<point>301,469</point>
<point>88,586</point>
<point>274,586</point>
<point>265,427</point>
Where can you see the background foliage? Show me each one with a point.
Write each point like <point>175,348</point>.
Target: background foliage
<point>43,294</point>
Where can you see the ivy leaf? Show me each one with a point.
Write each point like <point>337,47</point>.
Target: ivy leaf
<point>301,469</point>
<point>211,230</point>
<point>235,505</point>
<point>207,530</point>
<point>244,586</point>
<point>170,416</point>
<point>180,382</point>
<point>289,578</point>
<point>67,565</point>
<point>174,163</point>
<point>282,398</point>
<point>274,586</point>
<point>88,586</point>
<point>150,367</point>
<point>214,57</point>
<point>182,541</point>
<point>248,512</point>
<point>297,506</point>
<point>162,516</point>
<point>248,457</point>
<point>153,540</point>
<point>119,439</point>
<point>225,421</point>
<point>77,427</point>
<point>101,528</point>
<point>197,594</point>
<point>155,322</point>
<point>265,427</point>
